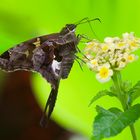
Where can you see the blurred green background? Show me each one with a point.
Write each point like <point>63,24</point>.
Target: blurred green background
<point>22,20</point>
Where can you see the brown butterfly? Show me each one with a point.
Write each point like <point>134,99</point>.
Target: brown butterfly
<point>50,55</point>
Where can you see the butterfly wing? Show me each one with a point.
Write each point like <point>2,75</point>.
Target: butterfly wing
<point>51,56</point>
<point>33,56</point>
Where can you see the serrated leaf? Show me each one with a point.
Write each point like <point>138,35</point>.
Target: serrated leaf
<point>134,92</point>
<point>100,94</point>
<point>111,122</point>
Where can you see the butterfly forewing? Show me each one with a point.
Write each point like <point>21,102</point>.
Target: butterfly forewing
<point>50,55</point>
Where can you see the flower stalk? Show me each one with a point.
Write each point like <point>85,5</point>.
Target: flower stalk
<point>122,96</point>
<point>132,128</point>
<point>117,80</point>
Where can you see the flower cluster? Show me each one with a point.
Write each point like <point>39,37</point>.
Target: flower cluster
<point>113,54</point>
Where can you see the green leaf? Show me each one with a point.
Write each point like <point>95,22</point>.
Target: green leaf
<point>134,92</point>
<point>101,94</point>
<point>112,89</point>
<point>111,122</point>
<point>126,85</point>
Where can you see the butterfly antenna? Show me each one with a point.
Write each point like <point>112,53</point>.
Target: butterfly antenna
<point>87,20</point>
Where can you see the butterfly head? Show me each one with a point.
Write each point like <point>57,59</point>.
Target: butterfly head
<point>69,28</point>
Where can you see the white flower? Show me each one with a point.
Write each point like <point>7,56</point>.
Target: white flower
<point>108,40</point>
<point>128,36</point>
<point>104,73</point>
<point>121,45</point>
<point>104,47</point>
<point>122,57</point>
<point>88,56</point>
<point>112,54</point>
<point>132,57</point>
<point>134,45</point>
<point>89,65</point>
<point>111,39</point>
<point>116,39</point>
<point>121,65</point>
<point>92,46</point>
<point>113,61</point>
<point>93,64</point>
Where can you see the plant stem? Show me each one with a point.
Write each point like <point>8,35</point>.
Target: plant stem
<point>122,97</point>
<point>133,132</point>
<point>117,80</point>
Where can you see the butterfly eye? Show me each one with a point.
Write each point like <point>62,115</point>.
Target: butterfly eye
<point>71,27</point>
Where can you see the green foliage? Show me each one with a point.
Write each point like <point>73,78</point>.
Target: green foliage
<point>126,85</point>
<point>101,94</point>
<point>111,122</point>
<point>113,89</point>
<point>134,92</point>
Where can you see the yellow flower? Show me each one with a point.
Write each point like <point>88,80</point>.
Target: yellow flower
<point>105,47</point>
<point>134,45</point>
<point>90,44</point>
<point>104,73</point>
<point>121,45</point>
<point>94,62</point>
<point>132,58</point>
